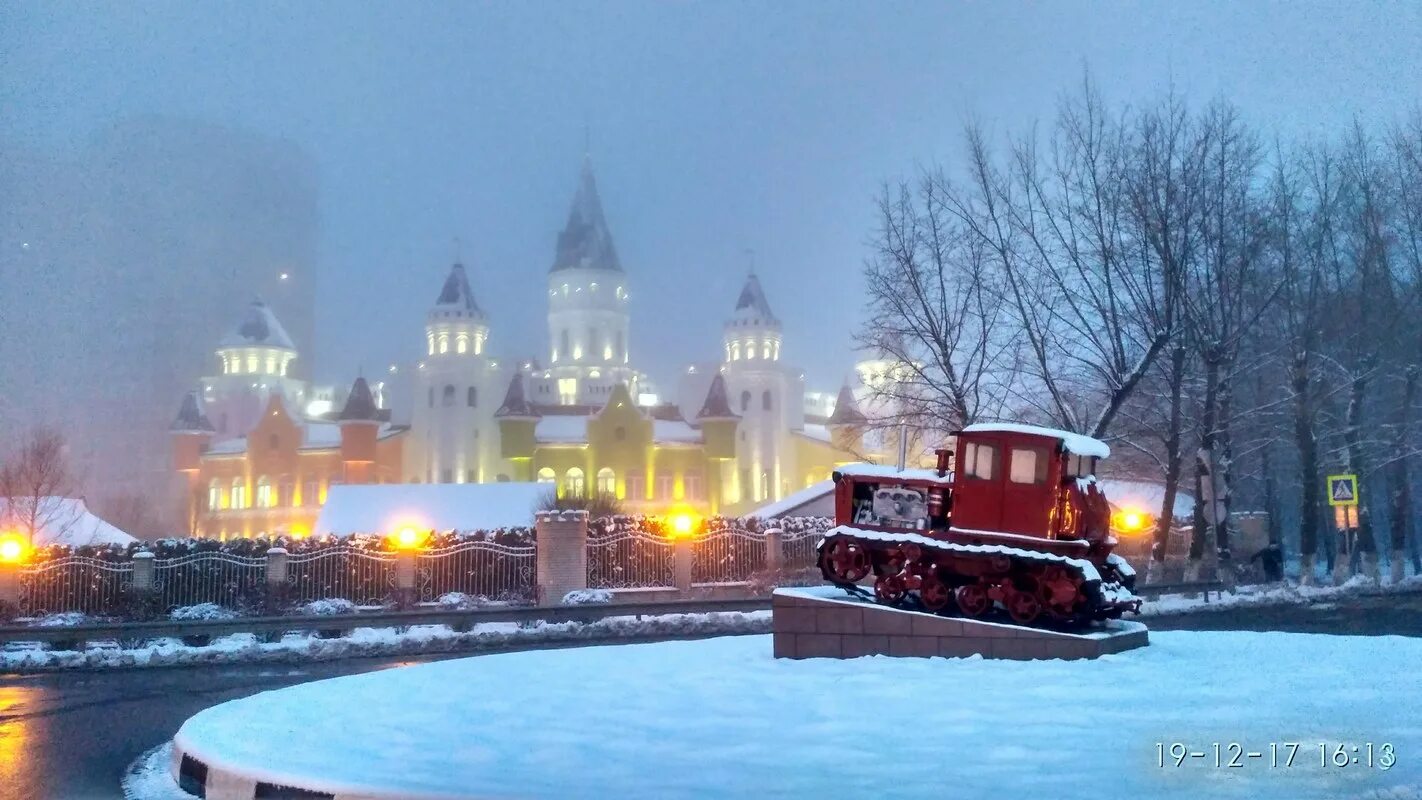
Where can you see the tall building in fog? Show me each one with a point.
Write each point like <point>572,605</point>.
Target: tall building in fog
<point>122,265</point>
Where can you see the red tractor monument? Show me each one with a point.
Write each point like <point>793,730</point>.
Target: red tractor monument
<point>1012,520</point>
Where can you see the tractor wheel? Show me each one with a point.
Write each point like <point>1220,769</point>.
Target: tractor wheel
<point>973,599</point>
<point>890,589</point>
<point>845,561</point>
<point>934,594</point>
<point>1022,604</point>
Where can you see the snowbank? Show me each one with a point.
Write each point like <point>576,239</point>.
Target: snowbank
<point>1282,594</point>
<point>68,521</point>
<point>720,718</point>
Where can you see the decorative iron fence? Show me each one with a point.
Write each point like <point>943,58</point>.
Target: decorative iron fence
<point>630,559</point>
<point>478,568</point>
<point>364,577</point>
<point>730,555</point>
<point>797,549</point>
<point>75,583</point>
<point>235,582</point>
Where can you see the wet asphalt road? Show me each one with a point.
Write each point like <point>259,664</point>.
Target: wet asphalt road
<point>71,735</point>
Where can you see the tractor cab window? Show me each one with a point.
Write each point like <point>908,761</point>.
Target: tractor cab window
<point>1080,466</point>
<point>1028,465</point>
<point>979,460</point>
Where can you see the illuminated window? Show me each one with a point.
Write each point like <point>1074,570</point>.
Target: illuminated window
<point>264,493</point>
<point>665,483</point>
<point>214,496</point>
<point>636,486</point>
<point>444,343</point>
<point>750,349</point>
<point>1027,466</point>
<point>765,349</point>
<point>429,339</point>
<point>775,352</point>
<point>606,480</point>
<point>239,494</point>
<point>271,365</point>
<point>310,491</point>
<point>735,351</point>
<point>692,484</point>
<point>546,475</point>
<point>979,460</point>
<point>478,344</point>
<point>573,483</point>
<point>286,494</point>
<point>461,343</point>
<point>567,391</point>
<point>252,363</point>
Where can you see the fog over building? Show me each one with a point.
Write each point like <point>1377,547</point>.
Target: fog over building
<point>123,262</point>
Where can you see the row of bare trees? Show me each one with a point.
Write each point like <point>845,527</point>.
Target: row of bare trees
<point>1234,314</point>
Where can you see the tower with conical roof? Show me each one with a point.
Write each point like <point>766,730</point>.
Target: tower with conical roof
<point>457,387</point>
<point>588,297</point>
<point>254,362</point>
<point>768,396</point>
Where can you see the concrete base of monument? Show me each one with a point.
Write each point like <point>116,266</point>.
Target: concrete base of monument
<point>826,622</point>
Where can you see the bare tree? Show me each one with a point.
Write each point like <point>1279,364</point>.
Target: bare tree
<point>32,476</point>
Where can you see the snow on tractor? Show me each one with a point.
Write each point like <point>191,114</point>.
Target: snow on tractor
<point>1012,520</point>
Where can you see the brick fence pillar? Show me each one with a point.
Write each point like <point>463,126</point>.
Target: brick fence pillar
<point>277,571</point>
<point>9,588</point>
<point>683,555</point>
<point>405,578</point>
<point>142,571</point>
<point>774,559</point>
<point>562,554</point>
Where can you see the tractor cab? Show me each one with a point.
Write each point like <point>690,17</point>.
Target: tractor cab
<point>1030,481</point>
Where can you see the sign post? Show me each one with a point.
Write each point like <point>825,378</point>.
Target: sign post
<point>1343,496</point>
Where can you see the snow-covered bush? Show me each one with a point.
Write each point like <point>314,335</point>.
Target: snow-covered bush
<point>459,601</point>
<point>201,611</point>
<point>67,619</point>
<point>329,607</point>
<point>587,597</point>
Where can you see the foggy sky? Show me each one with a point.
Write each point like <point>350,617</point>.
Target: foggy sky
<point>714,129</point>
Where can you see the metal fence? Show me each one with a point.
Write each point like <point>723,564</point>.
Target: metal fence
<point>797,549</point>
<point>625,559</point>
<point>481,569</point>
<point>236,582</point>
<point>75,583</point>
<point>364,577</point>
<point>730,555</point>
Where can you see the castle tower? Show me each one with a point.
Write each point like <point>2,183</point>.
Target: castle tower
<point>846,424</point>
<point>360,423</point>
<point>768,396</point>
<point>191,434</point>
<point>456,440</point>
<point>255,361</point>
<point>517,419</point>
<point>587,307</point>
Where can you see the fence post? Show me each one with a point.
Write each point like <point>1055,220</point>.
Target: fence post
<point>562,539</point>
<point>774,556</point>
<point>405,577</point>
<point>142,571</point>
<point>9,589</point>
<point>683,553</point>
<point>277,571</point>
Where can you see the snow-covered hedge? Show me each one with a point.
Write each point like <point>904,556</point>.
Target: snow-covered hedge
<point>587,597</point>
<point>637,523</point>
<point>329,607</point>
<point>201,611</point>
<point>459,601</point>
<point>66,619</point>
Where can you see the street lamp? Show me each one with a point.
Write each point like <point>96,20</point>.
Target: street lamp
<point>13,548</point>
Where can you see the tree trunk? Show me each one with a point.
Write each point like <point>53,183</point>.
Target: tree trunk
<point>1221,474</point>
<point>1367,549</point>
<point>1273,567</point>
<point>1204,468</point>
<point>1400,478</point>
<point>1156,571</point>
<point>1307,445</point>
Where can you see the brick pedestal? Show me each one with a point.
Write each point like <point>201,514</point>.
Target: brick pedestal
<point>562,554</point>
<point>824,622</point>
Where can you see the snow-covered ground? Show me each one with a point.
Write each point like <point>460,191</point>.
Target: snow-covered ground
<point>418,639</point>
<point>1281,594</point>
<point>721,718</point>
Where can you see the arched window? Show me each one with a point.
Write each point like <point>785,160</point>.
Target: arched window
<point>606,481</point>
<point>765,400</point>
<point>461,343</point>
<point>448,397</point>
<point>691,483</point>
<point>735,351</point>
<point>286,493</point>
<point>745,400</point>
<point>429,339</point>
<point>765,349</point>
<point>473,397</point>
<point>214,496</point>
<point>264,492</point>
<point>573,483</point>
<point>665,483</point>
<point>239,494</point>
<point>444,343</point>
<point>546,475</point>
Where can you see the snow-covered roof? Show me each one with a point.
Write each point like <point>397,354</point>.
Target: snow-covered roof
<point>1144,496</point>
<point>819,433</point>
<point>1073,442</point>
<point>815,500</point>
<point>314,436</point>
<point>561,429</point>
<point>228,447</point>
<point>668,431</point>
<point>891,472</point>
<point>382,508</point>
<point>67,521</point>
<point>259,328</point>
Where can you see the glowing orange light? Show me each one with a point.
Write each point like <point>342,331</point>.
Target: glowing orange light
<point>1130,520</point>
<point>408,537</point>
<point>12,548</point>
<point>683,523</point>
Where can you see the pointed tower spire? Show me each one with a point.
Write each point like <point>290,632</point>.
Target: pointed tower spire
<point>585,241</point>
<point>360,404</point>
<point>717,405</point>
<point>846,409</point>
<point>515,404</point>
<point>258,327</point>
<point>191,417</point>
<point>751,306</point>
<point>456,294</point>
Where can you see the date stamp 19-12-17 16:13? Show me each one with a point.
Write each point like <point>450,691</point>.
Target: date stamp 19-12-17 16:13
<point>1278,755</point>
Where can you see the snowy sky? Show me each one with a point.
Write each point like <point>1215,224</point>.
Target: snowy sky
<point>715,128</point>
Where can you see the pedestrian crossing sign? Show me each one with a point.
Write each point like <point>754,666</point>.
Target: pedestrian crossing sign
<point>1342,490</point>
